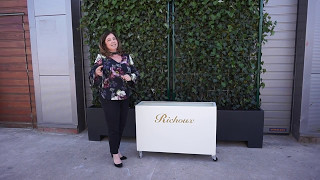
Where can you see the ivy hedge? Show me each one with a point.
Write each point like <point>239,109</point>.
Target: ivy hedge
<point>195,50</point>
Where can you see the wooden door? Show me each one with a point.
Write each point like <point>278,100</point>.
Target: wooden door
<point>17,107</point>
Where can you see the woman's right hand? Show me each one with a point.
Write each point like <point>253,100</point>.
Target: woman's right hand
<point>99,71</point>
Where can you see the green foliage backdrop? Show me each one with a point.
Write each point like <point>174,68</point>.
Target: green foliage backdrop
<point>216,46</point>
<point>141,28</point>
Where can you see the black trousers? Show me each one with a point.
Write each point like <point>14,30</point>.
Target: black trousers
<point>116,112</point>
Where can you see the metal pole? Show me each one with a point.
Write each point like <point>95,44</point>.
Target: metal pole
<point>173,55</point>
<point>168,55</point>
<point>259,52</point>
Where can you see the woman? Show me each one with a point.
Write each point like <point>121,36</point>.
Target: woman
<point>113,73</point>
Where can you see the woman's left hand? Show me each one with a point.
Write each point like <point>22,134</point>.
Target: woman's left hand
<point>126,77</point>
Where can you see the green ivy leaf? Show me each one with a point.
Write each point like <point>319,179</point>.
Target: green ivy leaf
<point>216,46</point>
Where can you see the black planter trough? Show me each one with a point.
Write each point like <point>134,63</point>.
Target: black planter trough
<point>231,126</point>
<point>97,126</point>
<point>246,126</point>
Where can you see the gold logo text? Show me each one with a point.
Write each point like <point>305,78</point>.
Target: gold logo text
<point>164,118</point>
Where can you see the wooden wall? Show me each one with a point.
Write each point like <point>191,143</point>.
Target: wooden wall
<point>17,99</point>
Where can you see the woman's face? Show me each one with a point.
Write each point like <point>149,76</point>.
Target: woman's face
<point>111,43</point>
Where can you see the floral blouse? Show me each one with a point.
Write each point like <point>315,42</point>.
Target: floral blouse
<point>111,86</point>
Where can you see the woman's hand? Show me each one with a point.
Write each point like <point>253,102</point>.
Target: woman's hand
<point>126,77</point>
<point>99,71</point>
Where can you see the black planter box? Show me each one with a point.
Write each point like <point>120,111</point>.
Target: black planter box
<point>97,126</point>
<point>231,126</point>
<point>241,126</point>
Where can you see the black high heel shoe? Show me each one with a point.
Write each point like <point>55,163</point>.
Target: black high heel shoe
<point>118,165</point>
<point>123,158</point>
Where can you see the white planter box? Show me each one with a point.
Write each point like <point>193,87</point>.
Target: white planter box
<point>176,127</point>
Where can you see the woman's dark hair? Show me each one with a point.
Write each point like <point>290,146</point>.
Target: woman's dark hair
<point>102,45</point>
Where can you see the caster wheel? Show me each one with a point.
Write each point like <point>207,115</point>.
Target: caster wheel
<point>214,158</point>
<point>140,154</point>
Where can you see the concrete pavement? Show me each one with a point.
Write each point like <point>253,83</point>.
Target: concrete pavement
<point>31,154</point>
